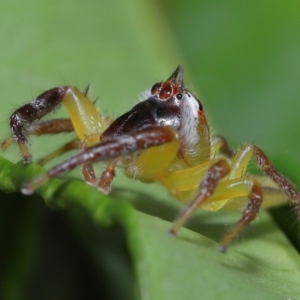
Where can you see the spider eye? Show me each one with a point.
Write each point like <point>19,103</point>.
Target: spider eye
<point>179,96</point>
<point>155,88</point>
<point>165,92</point>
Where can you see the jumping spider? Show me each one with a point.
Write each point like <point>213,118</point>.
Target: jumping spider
<point>164,138</point>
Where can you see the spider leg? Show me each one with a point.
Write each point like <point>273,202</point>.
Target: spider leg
<point>123,145</point>
<point>54,127</point>
<point>212,190</point>
<point>6,143</point>
<point>256,196</point>
<point>287,187</point>
<point>87,168</point>
<point>249,214</point>
<point>104,184</point>
<point>59,126</point>
<point>89,174</point>
<point>239,164</point>
<point>83,114</point>
<point>48,127</point>
<point>51,127</point>
<point>74,144</point>
<point>24,116</point>
<point>215,173</point>
<point>219,143</point>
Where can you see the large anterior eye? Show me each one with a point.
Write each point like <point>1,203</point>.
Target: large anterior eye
<point>166,91</point>
<point>155,88</point>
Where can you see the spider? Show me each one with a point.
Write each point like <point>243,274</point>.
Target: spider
<point>166,139</point>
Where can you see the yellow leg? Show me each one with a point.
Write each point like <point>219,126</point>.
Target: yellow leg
<point>240,161</point>
<point>225,190</point>
<point>207,188</point>
<point>188,179</point>
<point>90,140</point>
<point>215,191</point>
<point>211,192</point>
<point>183,183</point>
<point>219,143</point>
<point>83,114</point>
<point>185,180</point>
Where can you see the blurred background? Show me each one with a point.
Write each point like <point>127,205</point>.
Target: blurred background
<point>241,58</point>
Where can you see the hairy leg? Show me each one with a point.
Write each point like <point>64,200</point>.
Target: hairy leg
<point>123,145</point>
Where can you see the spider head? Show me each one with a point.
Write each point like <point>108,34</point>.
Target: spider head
<point>169,104</point>
<point>172,87</point>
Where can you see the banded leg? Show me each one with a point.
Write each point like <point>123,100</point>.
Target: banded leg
<point>83,114</point>
<point>249,214</point>
<point>266,166</point>
<point>47,127</point>
<point>104,184</point>
<point>212,190</point>
<point>24,116</point>
<point>241,161</point>
<point>255,196</point>
<point>276,193</point>
<point>236,186</point>
<point>123,145</point>
<point>214,174</point>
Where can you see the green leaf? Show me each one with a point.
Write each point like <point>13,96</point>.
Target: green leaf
<point>191,260</point>
<point>243,58</point>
